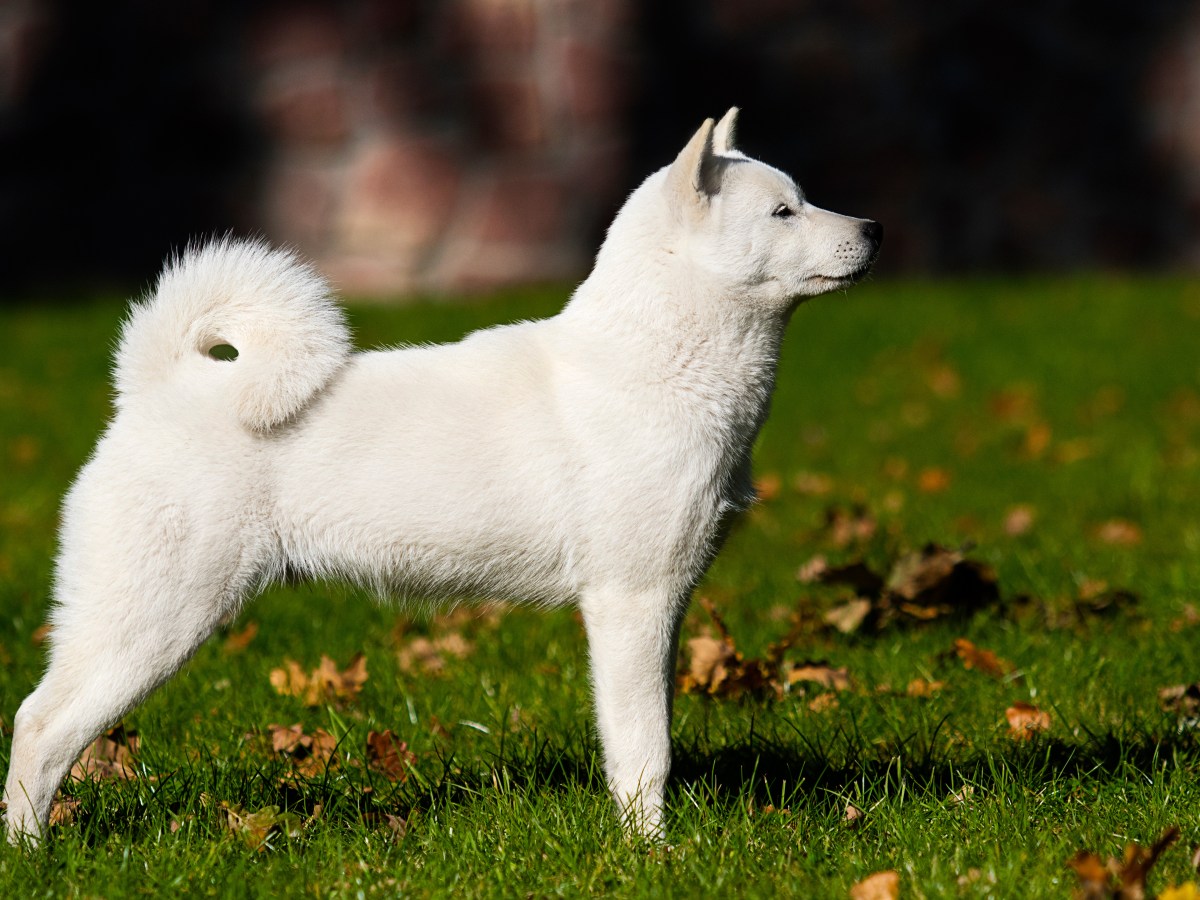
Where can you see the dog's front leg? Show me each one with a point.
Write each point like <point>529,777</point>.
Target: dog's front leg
<point>632,640</point>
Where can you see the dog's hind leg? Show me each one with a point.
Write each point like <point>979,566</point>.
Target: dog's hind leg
<point>109,650</point>
<point>632,640</point>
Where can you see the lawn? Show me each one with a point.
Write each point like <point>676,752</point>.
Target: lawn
<point>1048,430</point>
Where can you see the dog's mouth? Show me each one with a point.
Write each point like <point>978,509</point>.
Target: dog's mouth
<point>833,282</point>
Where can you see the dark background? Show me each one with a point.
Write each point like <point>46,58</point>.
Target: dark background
<point>986,137</point>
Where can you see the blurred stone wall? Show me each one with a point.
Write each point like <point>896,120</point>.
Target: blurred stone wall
<point>440,145</point>
<point>405,145</point>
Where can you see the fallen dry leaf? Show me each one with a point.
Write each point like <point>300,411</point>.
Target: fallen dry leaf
<point>347,683</point>
<point>468,617</point>
<point>768,486</point>
<point>1037,439</point>
<point>848,617</point>
<point>1138,861</point>
<point>943,380</point>
<point>1188,891</point>
<point>109,756</point>
<point>395,826</point>
<point>1124,880</point>
<point>25,449</point>
<point>709,661</point>
<point>291,680</point>
<point>63,810</point>
<point>388,756</point>
<point>819,673</point>
<point>1119,533</point>
<point>853,816</point>
<point>1019,519</point>
<point>963,795</point>
<point>937,576</point>
<point>311,755</point>
<point>324,684</point>
<point>1188,618</point>
<point>429,654</point>
<point>982,660</point>
<point>177,824</point>
<point>812,570</point>
<point>1183,699</point>
<point>880,886</point>
<point>1094,877</point>
<point>853,526</point>
<point>717,668</point>
<point>256,828</point>
<point>933,480</point>
<point>1096,598</point>
<point>972,876</point>
<point>240,640</point>
<point>936,582</point>
<point>928,584</point>
<point>919,687</point>
<point>1025,720</point>
<point>40,634</point>
<point>823,703</point>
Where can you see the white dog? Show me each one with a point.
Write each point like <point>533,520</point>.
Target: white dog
<point>589,458</point>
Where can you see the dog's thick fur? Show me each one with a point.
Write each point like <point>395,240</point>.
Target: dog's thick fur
<point>591,458</point>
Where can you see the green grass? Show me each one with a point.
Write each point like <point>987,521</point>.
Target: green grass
<point>1078,397</point>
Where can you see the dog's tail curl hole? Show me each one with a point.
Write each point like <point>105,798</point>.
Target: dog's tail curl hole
<point>223,352</point>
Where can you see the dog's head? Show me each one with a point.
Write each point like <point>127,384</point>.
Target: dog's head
<point>750,226</point>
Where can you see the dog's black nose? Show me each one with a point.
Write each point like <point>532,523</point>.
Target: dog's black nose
<point>873,232</point>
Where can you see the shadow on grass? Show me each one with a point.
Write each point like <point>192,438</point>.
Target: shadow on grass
<point>752,771</point>
<point>765,771</point>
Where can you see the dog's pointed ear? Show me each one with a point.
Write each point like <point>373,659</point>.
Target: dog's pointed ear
<point>725,131</point>
<point>693,177</point>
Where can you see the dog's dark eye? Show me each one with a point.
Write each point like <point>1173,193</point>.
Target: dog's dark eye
<point>782,211</point>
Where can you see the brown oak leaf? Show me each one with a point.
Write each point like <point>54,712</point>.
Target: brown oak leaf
<point>821,673</point>
<point>982,660</point>
<point>324,684</point>
<point>1119,533</point>
<point>388,756</point>
<point>1123,880</point>
<point>109,756</point>
<point>240,640</point>
<point>1025,720</point>
<point>880,886</point>
<point>919,687</point>
<point>1183,699</point>
<point>429,654</point>
<point>311,755</point>
<point>256,828</point>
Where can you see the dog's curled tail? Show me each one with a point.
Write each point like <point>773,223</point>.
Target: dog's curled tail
<point>275,311</point>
